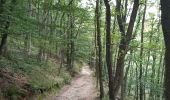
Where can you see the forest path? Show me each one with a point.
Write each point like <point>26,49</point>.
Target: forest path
<point>81,88</point>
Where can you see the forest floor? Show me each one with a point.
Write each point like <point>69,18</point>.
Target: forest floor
<point>81,88</point>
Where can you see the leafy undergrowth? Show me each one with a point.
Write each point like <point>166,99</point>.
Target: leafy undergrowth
<point>23,76</point>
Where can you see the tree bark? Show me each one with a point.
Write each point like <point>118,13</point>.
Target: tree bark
<point>99,48</point>
<point>70,38</point>
<point>108,50</point>
<point>141,55</point>
<point>165,7</point>
<point>124,42</point>
<point>124,83</point>
<point>3,45</point>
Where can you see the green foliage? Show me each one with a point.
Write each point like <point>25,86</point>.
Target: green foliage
<point>42,75</point>
<point>52,26</point>
<point>12,90</point>
<point>106,97</point>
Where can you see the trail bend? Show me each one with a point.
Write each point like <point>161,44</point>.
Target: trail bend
<point>81,88</point>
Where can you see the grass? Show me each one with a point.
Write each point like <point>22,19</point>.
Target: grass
<point>41,76</point>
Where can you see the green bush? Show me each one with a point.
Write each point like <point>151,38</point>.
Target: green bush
<point>40,75</point>
<point>12,90</point>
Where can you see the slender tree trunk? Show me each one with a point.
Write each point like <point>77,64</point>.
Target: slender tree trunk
<point>124,83</point>
<point>3,45</point>
<point>28,34</point>
<point>96,60</point>
<point>108,50</point>
<point>70,38</point>
<point>137,84</point>
<point>141,55</point>
<point>159,73</point>
<point>4,35</point>
<point>61,60</point>
<point>99,48</point>
<point>2,4</point>
<point>96,55</point>
<point>151,95</point>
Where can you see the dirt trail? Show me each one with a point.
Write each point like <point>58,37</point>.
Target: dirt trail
<point>81,88</point>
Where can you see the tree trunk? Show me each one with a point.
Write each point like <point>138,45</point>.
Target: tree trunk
<point>124,83</point>
<point>3,45</point>
<point>137,88</point>
<point>124,42</point>
<point>141,55</point>
<point>152,95</point>
<point>99,49</point>
<point>165,6</point>
<point>4,35</point>
<point>70,39</point>
<point>28,34</point>
<point>108,50</point>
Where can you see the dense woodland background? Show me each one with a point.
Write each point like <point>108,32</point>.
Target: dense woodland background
<point>44,43</point>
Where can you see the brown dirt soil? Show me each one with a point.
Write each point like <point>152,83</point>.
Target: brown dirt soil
<point>8,81</point>
<point>81,88</point>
